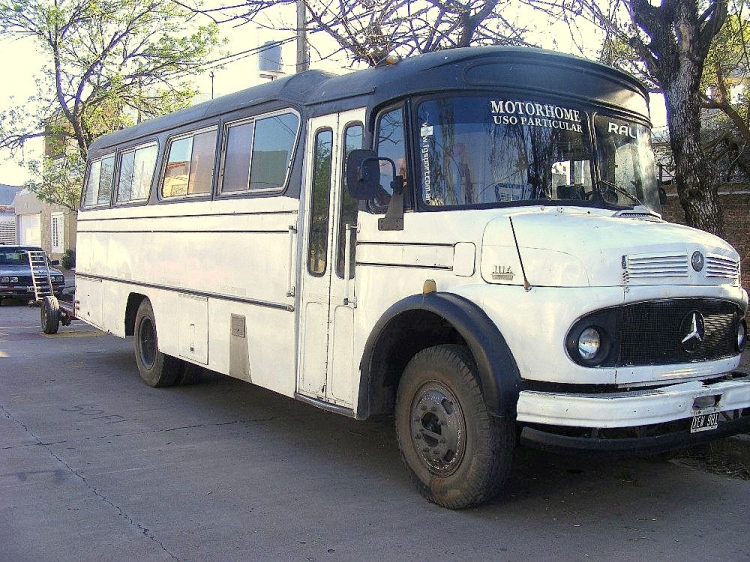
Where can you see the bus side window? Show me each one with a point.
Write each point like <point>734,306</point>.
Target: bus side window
<point>136,173</point>
<point>236,176</point>
<point>272,151</point>
<point>99,182</point>
<point>319,209</point>
<point>390,145</point>
<point>190,165</point>
<point>348,206</point>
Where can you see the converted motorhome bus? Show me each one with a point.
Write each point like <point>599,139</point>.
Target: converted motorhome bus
<point>470,240</point>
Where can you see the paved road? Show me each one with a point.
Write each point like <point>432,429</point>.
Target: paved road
<point>94,465</point>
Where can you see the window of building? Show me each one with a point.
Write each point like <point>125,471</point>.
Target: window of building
<point>58,233</point>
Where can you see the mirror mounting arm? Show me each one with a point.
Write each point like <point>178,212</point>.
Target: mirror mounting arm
<point>394,216</point>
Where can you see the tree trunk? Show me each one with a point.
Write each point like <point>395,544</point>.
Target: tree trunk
<point>694,174</point>
<point>678,42</point>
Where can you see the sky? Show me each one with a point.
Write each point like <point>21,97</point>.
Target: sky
<point>22,62</point>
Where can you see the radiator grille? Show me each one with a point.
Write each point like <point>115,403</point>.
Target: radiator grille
<point>650,332</point>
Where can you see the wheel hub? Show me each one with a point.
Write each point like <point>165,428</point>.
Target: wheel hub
<point>438,429</point>
<point>147,338</point>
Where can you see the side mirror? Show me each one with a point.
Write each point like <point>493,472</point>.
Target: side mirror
<point>362,174</point>
<point>54,262</point>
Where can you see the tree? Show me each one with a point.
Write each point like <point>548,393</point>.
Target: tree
<point>728,123</point>
<point>672,41</point>
<point>111,63</point>
<point>368,31</point>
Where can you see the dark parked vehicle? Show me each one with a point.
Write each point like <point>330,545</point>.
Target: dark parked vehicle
<point>15,273</point>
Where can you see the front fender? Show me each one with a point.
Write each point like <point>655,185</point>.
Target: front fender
<point>498,372</point>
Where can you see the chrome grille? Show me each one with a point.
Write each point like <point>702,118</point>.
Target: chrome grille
<point>721,267</point>
<point>650,266</point>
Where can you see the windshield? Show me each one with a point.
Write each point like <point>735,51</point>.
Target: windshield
<point>626,162</point>
<point>482,150</point>
<point>15,256</point>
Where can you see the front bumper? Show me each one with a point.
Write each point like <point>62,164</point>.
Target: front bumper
<point>650,419</point>
<point>25,291</point>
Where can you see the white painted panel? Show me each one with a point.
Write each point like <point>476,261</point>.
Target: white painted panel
<point>192,328</point>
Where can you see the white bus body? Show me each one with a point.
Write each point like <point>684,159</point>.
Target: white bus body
<point>520,284</point>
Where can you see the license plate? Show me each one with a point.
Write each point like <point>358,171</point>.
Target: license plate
<point>704,422</point>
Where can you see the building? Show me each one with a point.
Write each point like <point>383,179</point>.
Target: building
<point>7,214</point>
<point>52,227</point>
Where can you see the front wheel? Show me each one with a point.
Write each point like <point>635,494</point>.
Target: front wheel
<point>457,453</point>
<point>156,368</point>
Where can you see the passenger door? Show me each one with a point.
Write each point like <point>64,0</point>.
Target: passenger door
<point>327,370</point>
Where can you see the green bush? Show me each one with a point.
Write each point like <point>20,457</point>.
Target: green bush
<point>68,260</point>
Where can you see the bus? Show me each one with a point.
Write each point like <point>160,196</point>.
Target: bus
<point>469,241</point>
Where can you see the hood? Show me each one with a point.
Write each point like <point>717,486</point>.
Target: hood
<point>573,247</point>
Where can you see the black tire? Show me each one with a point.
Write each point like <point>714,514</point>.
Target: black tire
<point>457,453</point>
<point>156,368</point>
<point>50,315</point>
<point>189,374</point>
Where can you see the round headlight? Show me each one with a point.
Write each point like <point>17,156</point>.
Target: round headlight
<point>741,335</point>
<point>589,344</point>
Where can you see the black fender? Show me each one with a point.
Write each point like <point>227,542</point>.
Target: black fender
<point>498,372</point>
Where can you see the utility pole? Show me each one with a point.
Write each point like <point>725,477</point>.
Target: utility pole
<point>303,51</point>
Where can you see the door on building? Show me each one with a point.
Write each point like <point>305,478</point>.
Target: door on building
<point>30,229</point>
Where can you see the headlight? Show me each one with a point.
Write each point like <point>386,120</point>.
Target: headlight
<point>741,335</point>
<point>592,341</point>
<point>4,279</point>
<point>589,344</point>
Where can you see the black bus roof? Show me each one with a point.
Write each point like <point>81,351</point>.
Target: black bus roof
<point>514,70</point>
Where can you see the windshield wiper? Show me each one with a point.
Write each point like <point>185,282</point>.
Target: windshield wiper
<point>614,187</point>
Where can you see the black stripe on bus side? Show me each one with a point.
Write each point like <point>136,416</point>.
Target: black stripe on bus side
<point>406,265</point>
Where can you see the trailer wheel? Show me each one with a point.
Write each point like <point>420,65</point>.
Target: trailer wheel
<point>156,368</point>
<point>50,315</point>
<point>456,452</point>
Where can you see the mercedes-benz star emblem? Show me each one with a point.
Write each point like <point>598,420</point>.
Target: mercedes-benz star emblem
<point>696,260</point>
<point>692,331</point>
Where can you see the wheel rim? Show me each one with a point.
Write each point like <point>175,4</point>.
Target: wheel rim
<point>438,428</point>
<point>147,343</point>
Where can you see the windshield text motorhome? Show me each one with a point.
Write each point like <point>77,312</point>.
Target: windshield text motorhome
<point>470,240</point>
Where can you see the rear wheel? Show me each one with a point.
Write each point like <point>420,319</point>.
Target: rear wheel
<point>156,368</point>
<point>457,453</point>
<point>50,315</point>
<point>189,373</point>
